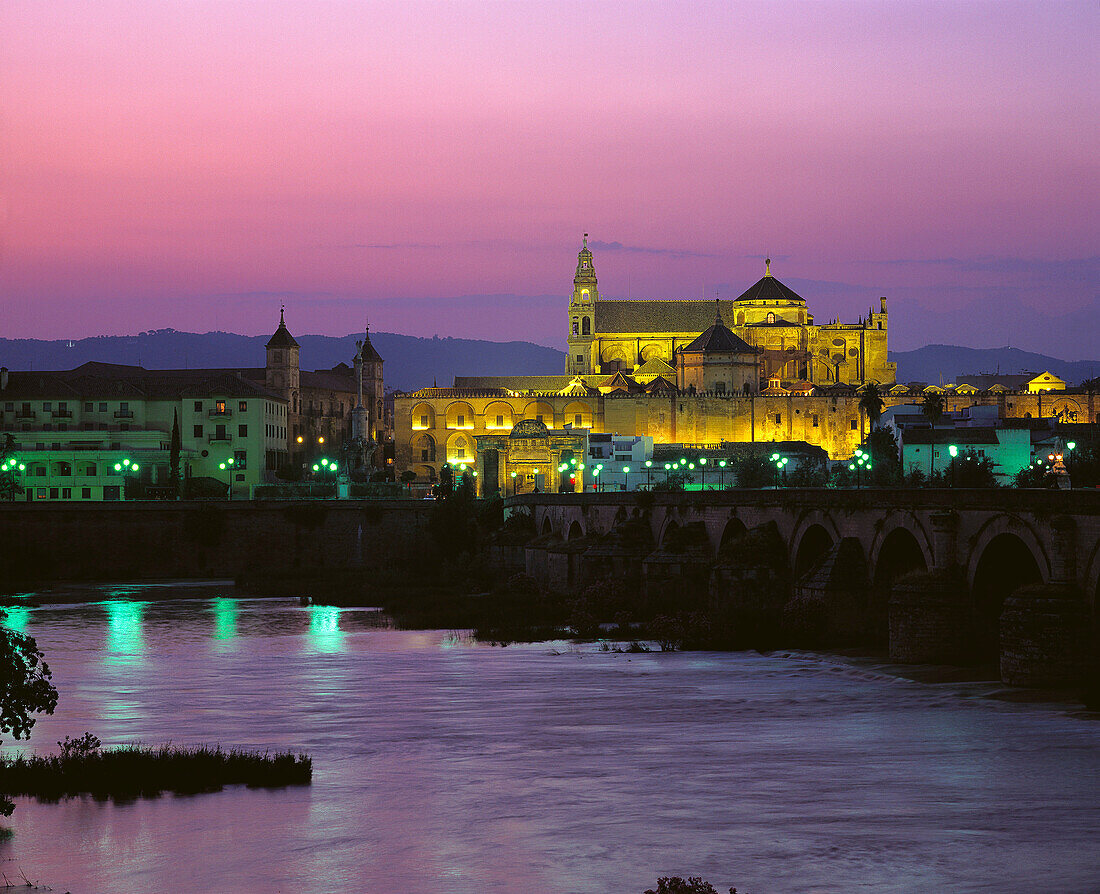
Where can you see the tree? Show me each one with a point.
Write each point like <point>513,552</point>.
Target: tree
<point>932,407</point>
<point>970,470</point>
<point>9,483</point>
<point>1035,476</point>
<point>408,477</point>
<point>751,469</point>
<point>882,445</point>
<point>870,402</point>
<point>25,690</point>
<point>174,455</point>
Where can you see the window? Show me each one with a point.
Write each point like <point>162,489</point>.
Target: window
<point>103,406</point>
<point>41,493</point>
<point>198,431</point>
<point>719,387</point>
<point>85,493</point>
<point>580,358</point>
<point>40,471</point>
<point>242,431</point>
<point>771,317</point>
<point>576,328</point>
<point>854,425</point>
<point>243,406</point>
<point>123,406</point>
<point>198,406</point>
<point>54,493</point>
<point>240,460</point>
<point>500,421</point>
<point>66,493</point>
<point>577,421</point>
<point>586,326</point>
<point>778,418</point>
<point>539,418</point>
<point>63,408</point>
<point>423,421</point>
<point>111,492</point>
<point>9,406</point>
<point>47,427</point>
<point>815,420</point>
<point>219,406</point>
<point>89,470</point>
<point>461,420</point>
<point>88,406</point>
<point>46,407</point>
<point>64,470</point>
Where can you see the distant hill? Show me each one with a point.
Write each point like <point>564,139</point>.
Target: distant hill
<point>417,362</point>
<point>410,362</point>
<point>927,364</point>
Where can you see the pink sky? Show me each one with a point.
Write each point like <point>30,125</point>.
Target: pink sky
<point>191,164</point>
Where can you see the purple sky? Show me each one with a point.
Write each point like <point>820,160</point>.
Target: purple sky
<point>190,164</point>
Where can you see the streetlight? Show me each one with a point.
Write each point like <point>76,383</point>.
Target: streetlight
<point>721,474</point>
<point>953,449</point>
<point>626,478</point>
<point>703,472</point>
<point>513,484</point>
<point>648,473</point>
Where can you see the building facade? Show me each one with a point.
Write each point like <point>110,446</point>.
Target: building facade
<point>101,431</point>
<point>607,336</point>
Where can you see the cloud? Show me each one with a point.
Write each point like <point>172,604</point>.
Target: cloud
<point>386,246</point>
<point>639,249</point>
<point>1035,266</point>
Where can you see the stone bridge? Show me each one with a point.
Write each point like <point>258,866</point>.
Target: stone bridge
<point>930,568</point>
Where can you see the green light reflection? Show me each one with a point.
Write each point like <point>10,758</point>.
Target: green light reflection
<point>225,618</point>
<point>125,641</point>
<point>324,629</point>
<point>16,618</point>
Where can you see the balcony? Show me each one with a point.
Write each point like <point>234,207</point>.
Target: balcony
<point>25,414</point>
<point>223,438</point>
<point>223,413</point>
<point>124,414</point>
<point>62,414</point>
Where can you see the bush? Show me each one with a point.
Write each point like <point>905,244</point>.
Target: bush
<point>134,771</point>
<point>691,885</point>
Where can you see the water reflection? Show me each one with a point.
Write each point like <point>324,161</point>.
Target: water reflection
<point>324,629</point>
<point>125,639</point>
<point>16,618</point>
<point>225,618</point>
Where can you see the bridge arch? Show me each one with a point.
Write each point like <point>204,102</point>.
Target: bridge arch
<point>576,531</point>
<point>902,550</point>
<point>734,530</point>
<point>811,519</point>
<point>810,548</point>
<point>547,527</point>
<point>1003,563</point>
<point>670,528</point>
<point>1007,524</point>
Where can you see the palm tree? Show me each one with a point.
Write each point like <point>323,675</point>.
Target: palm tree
<point>932,408</point>
<point>871,403</point>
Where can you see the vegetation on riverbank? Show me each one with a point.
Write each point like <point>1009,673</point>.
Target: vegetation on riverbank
<point>134,771</point>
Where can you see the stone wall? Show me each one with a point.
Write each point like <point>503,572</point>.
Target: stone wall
<point>51,542</point>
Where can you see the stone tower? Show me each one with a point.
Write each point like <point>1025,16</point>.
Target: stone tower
<point>582,314</point>
<point>283,377</point>
<point>282,362</point>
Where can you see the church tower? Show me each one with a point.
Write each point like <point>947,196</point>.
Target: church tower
<point>582,314</point>
<point>282,361</point>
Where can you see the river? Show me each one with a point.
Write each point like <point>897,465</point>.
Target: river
<point>443,766</point>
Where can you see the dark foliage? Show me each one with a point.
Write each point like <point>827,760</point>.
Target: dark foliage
<point>134,772</point>
<point>752,469</point>
<point>691,885</point>
<point>25,690</point>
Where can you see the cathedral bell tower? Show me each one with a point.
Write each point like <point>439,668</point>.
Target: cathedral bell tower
<point>582,314</point>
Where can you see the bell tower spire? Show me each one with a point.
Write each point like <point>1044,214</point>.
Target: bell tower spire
<point>582,313</point>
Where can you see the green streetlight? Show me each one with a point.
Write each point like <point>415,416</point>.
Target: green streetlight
<point>626,478</point>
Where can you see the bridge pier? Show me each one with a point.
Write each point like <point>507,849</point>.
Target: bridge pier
<point>930,615</point>
<point>1045,628</point>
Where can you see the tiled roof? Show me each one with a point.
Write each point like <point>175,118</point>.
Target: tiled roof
<point>370,355</point>
<point>658,316</point>
<point>768,288</point>
<point>718,340</point>
<point>282,337</point>
<point>960,436</point>
<point>99,380</point>
<point>654,366</point>
<point>519,383</point>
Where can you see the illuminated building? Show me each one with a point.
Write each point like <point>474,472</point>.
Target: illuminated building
<point>607,336</point>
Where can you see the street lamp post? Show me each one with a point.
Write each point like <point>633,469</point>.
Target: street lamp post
<point>703,472</point>
<point>648,474</point>
<point>721,474</point>
<point>954,451</point>
<point>626,478</point>
<point>513,484</point>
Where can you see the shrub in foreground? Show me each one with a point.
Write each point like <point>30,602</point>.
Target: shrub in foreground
<point>134,771</point>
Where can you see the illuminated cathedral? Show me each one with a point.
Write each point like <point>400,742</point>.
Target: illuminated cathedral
<point>765,334</point>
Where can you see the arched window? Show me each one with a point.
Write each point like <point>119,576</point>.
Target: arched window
<point>585,295</point>
<point>586,326</point>
<point>741,318</point>
<point>771,317</point>
<point>575,331</point>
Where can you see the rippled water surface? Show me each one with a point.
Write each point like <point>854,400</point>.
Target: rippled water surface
<point>446,767</point>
